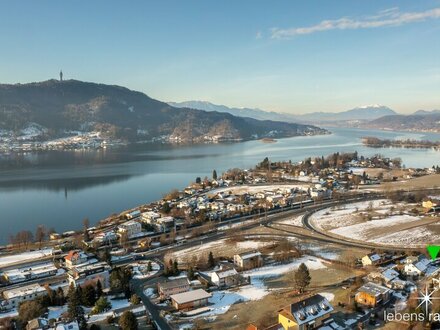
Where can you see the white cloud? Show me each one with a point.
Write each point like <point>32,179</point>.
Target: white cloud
<point>388,17</point>
<point>259,35</point>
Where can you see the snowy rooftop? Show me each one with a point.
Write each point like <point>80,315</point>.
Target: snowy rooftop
<point>309,309</point>
<point>250,254</point>
<point>373,289</point>
<point>23,291</point>
<point>185,297</point>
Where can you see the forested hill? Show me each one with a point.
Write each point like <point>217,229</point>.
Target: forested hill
<point>60,106</point>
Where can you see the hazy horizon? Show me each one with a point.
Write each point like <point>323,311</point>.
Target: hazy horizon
<point>291,58</point>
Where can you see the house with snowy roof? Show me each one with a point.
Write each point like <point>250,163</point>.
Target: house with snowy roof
<point>248,260</point>
<point>417,267</point>
<point>309,313</point>
<point>371,259</point>
<point>225,277</point>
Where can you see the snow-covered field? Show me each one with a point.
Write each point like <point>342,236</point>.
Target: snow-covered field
<point>222,300</point>
<point>330,218</point>
<point>116,304</point>
<point>140,269</point>
<point>219,246</point>
<point>26,256</point>
<point>294,221</point>
<point>369,229</point>
<point>383,228</point>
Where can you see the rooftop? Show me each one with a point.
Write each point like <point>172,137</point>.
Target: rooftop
<point>189,296</point>
<point>310,309</point>
<point>373,289</point>
<point>23,291</point>
<point>174,283</point>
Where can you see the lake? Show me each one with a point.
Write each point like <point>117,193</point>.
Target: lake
<point>61,188</point>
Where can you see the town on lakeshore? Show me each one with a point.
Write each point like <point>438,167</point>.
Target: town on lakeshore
<point>335,242</point>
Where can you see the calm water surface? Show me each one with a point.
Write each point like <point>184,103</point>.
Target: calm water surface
<point>59,189</point>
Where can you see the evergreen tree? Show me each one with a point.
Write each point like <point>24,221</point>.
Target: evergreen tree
<point>175,268</point>
<point>214,175</point>
<point>101,305</point>
<point>60,299</point>
<point>89,296</point>
<point>128,321</point>
<point>191,275</point>
<point>149,266</point>
<point>302,278</point>
<point>98,289</point>
<point>211,260</point>
<point>74,302</point>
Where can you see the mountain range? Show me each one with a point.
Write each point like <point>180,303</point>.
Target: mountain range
<point>72,105</point>
<point>368,112</point>
<point>368,116</point>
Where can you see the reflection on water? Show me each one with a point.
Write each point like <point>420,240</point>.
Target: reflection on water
<point>59,189</point>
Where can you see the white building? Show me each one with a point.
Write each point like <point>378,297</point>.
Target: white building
<point>14,297</point>
<point>150,216</point>
<point>416,268</point>
<point>90,273</point>
<point>74,258</point>
<point>165,224</point>
<point>29,273</point>
<point>225,278</point>
<point>131,228</point>
<point>371,259</point>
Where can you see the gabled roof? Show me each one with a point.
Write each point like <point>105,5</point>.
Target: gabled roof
<point>390,274</point>
<point>249,254</point>
<point>174,283</point>
<point>373,289</point>
<point>227,272</point>
<point>310,309</point>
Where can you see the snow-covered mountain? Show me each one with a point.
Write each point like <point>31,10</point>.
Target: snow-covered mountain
<point>363,113</point>
<point>240,112</point>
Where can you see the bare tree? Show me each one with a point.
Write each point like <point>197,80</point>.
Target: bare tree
<point>40,235</point>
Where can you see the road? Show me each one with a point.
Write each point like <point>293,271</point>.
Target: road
<point>138,288</point>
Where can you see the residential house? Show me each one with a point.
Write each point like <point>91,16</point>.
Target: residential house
<point>248,260</point>
<point>90,274</point>
<point>372,295</point>
<point>165,224</point>
<point>75,257</point>
<point>37,324</point>
<point>416,266</point>
<point>133,215</point>
<point>371,259</point>
<point>190,299</point>
<point>306,314</point>
<point>429,203</point>
<point>150,216</point>
<point>130,228</point>
<point>168,288</point>
<point>225,277</point>
<point>385,277</point>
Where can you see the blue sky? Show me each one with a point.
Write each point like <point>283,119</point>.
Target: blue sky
<point>289,56</point>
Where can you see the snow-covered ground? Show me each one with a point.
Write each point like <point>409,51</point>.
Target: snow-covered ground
<point>116,304</point>
<point>367,229</point>
<point>222,300</point>
<point>251,245</point>
<point>26,256</point>
<point>337,217</point>
<point>294,221</point>
<point>348,222</point>
<point>327,295</point>
<point>140,269</point>
<point>56,312</point>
